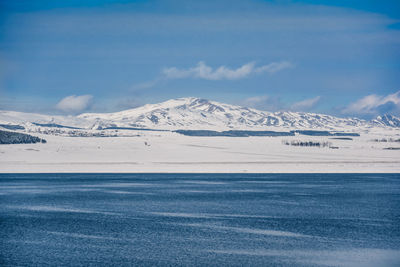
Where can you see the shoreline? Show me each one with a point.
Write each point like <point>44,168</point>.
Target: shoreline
<point>121,167</point>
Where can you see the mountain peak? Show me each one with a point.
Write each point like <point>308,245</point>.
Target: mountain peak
<point>190,99</point>
<point>387,120</point>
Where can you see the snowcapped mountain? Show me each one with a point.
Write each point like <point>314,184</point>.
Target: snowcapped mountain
<point>195,113</point>
<point>387,120</point>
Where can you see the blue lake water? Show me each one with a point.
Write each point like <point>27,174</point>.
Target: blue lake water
<point>200,219</point>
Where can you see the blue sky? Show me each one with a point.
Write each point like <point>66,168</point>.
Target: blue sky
<point>336,57</point>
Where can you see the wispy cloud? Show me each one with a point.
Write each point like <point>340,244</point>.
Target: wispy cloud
<point>375,104</point>
<point>203,71</point>
<point>263,102</point>
<point>147,85</point>
<point>74,103</point>
<point>273,103</point>
<point>306,105</point>
<point>274,67</point>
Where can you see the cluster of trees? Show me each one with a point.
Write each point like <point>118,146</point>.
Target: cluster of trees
<point>18,138</point>
<point>75,133</point>
<point>307,143</point>
<point>386,140</point>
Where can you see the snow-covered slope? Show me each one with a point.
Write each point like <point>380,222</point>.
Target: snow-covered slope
<point>195,113</point>
<point>26,119</point>
<point>387,120</point>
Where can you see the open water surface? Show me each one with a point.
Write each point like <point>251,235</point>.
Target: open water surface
<point>200,219</point>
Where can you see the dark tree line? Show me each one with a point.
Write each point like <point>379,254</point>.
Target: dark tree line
<point>307,143</point>
<point>386,140</point>
<point>18,138</point>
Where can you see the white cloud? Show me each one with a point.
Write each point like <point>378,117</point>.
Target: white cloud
<point>274,67</point>
<point>255,100</point>
<point>263,102</point>
<point>269,103</point>
<point>375,104</point>
<point>306,104</point>
<point>202,71</point>
<point>74,103</point>
<point>146,85</point>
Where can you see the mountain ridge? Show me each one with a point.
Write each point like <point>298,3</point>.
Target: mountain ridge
<point>198,113</point>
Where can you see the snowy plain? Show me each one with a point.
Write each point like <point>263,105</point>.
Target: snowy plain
<point>172,152</point>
